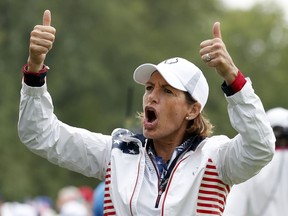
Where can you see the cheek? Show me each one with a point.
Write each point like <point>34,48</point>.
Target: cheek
<point>176,111</point>
<point>182,108</point>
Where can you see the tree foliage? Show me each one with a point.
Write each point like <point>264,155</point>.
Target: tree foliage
<point>99,44</point>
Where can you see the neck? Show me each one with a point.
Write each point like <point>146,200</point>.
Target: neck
<point>165,149</point>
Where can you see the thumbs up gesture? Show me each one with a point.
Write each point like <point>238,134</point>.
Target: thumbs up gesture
<point>41,41</point>
<point>214,53</point>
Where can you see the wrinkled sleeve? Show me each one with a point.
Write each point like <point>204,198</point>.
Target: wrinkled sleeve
<point>73,148</point>
<point>253,147</point>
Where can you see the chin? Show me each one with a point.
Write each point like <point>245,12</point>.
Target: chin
<point>148,134</point>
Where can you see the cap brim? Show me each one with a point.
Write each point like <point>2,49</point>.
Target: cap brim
<point>143,73</point>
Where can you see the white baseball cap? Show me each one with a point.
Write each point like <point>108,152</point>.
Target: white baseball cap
<point>180,74</point>
<point>278,117</point>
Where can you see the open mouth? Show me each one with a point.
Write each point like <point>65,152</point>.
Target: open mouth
<point>150,114</point>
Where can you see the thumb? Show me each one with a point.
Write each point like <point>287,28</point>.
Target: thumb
<point>217,30</point>
<point>47,18</point>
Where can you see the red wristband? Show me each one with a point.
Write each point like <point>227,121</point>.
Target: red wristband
<point>238,83</point>
<point>34,79</point>
<point>26,71</point>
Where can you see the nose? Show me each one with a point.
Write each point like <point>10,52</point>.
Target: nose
<point>153,97</point>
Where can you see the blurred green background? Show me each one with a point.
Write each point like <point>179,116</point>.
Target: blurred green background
<point>99,44</point>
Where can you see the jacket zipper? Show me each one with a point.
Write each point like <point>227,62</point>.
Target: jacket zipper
<point>160,192</point>
<point>162,183</point>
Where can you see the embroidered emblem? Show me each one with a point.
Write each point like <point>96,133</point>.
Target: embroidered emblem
<point>171,61</point>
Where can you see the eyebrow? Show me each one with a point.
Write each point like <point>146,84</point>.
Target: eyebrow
<point>149,83</point>
<point>161,85</point>
<point>167,86</point>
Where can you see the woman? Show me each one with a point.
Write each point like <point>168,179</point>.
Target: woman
<point>174,167</point>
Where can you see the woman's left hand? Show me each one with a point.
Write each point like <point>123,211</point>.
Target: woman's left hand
<point>214,53</point>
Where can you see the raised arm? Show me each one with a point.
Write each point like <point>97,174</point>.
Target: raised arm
<point>38,127</point>
<point>253,147</point>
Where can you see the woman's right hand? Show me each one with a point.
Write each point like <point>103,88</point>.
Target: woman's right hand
<point>41,41</point>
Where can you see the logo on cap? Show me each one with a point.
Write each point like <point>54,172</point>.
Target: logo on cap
<point>171,61</point>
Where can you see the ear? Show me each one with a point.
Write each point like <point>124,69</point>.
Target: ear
<point>193,111</point>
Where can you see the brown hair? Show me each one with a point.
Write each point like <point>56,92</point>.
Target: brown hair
<point>201,125</point>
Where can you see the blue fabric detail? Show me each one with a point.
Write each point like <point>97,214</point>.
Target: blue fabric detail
<point>126,141</point>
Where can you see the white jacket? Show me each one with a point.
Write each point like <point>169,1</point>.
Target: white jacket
<point>200,181</point>
<point>269,196</point>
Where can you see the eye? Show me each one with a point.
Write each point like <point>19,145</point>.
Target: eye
<point>148,87</point>
<point>168,91</point>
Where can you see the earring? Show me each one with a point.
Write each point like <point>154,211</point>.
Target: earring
<point>188,118</point>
